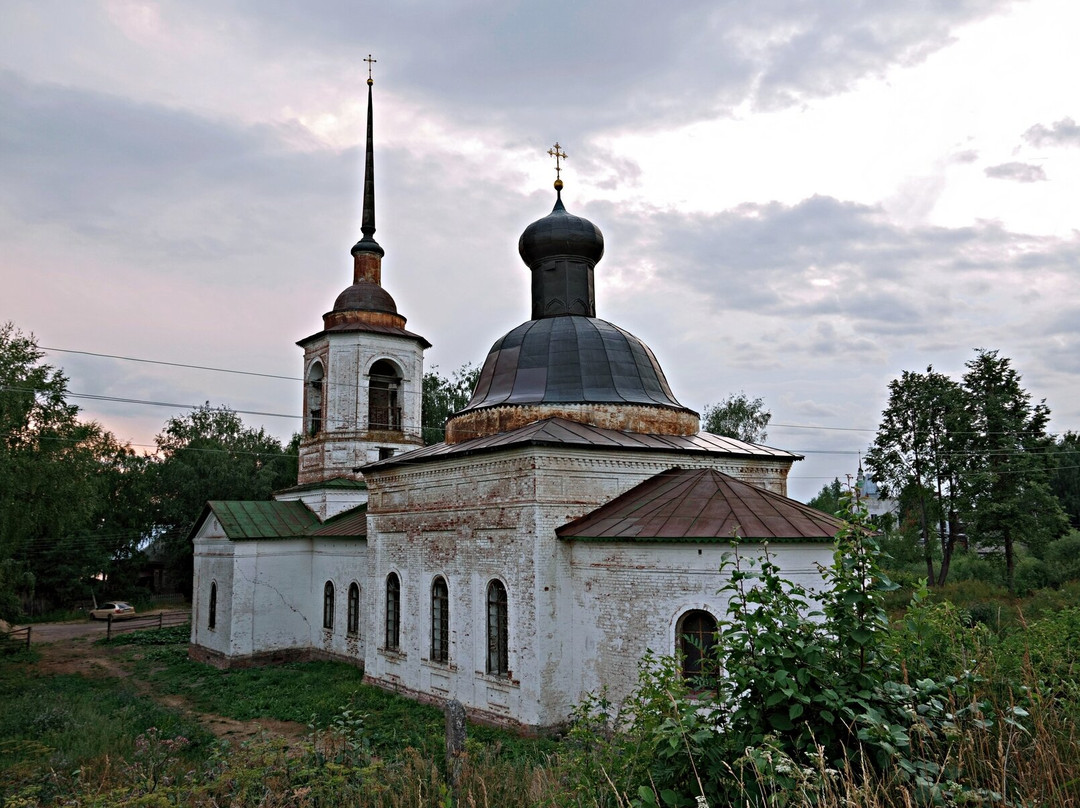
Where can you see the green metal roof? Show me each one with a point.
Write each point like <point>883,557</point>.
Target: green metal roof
<point>263,520</point>
<point>247,520</point>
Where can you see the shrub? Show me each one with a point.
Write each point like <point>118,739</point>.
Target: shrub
<point>1030,574</point>
<point>1063,558</point>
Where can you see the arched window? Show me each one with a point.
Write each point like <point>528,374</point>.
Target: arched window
<point>384,386</point>
<point>498,630</point>
<point>313,392</point>
<point>393,612</point>
<point>440,620</point>
<point>211,616</point>
<point>328,605</point>
<point>696,640</point>
<point>353,622</point>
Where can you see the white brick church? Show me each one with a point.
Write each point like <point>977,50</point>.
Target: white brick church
<point>574,517</point>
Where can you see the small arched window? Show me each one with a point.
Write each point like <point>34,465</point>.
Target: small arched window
<point>393,612</point>
<point>498,630</point>
<point>353,623</point>
<point>384,388</point>
<point>313,394</point>
<point>440,620</point>
<point>696,641</point>
<point>328,605</point>
<point>211,612</point>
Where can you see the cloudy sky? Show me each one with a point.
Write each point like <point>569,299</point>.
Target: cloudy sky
<point>800,199</point>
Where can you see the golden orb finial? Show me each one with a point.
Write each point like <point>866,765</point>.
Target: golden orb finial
<point>557,152</point>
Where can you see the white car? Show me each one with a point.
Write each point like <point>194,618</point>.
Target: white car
<point>116,609</point>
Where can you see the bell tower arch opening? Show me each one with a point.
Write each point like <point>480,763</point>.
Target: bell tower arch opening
<point>384,396</point>
<point>313,399</point>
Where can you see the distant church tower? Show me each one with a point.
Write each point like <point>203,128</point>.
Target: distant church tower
<point>363,372</point>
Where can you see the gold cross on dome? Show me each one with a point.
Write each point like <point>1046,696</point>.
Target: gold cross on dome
<point>370,62</point>
<point>557,152</point>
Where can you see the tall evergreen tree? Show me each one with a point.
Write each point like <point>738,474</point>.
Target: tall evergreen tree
<point>1009,461</point>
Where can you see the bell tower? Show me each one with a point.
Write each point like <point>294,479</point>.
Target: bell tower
<point>363,371</point>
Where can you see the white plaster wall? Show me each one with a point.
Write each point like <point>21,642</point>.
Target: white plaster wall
<point>474,519</point>
<point>213,563</point>
<point>272,608</point>
<point>628,597</point>
<point>326,502</point>
<point>346,441</point>
<point>341,562</point>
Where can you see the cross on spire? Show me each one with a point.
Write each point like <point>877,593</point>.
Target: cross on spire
<point>370,62</point>
<point>557,152</point>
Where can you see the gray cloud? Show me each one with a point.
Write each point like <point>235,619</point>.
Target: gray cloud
<point>1017,172</point>
<point>1065,132</point>
<point>605,63</point>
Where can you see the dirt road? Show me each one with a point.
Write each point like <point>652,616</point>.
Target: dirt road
<point>56,632</point>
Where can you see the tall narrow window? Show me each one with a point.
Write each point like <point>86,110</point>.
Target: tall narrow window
<point>211,616</point>
<point>498,630</point>
<point>328,605</point>
<point>696,638</point>
<point>440,621</point>
<point>314,396</point>
<point>393,612</point>
<point>353,624</point>
<point>384,385</point>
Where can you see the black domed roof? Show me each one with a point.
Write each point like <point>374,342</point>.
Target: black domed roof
<point>365,296</point>
<point>561,233</point>
<point>570,360</point>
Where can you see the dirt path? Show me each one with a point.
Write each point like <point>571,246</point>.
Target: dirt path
<point>71,648</point>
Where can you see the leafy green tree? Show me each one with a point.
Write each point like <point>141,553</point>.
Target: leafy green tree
<point>443,397</point>
<point>55,481</point>
<point>918,457</point>
<point>1009,462</point>
<point>830,498</point>
<point>209,454</point>
<point>737,416</point>
<point>1065,476</point>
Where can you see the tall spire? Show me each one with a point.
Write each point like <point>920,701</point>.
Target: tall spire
<point>367,254</point>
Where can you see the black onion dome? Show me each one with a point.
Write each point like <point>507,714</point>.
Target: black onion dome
<point>365,296</point>
<point>561,233</point>
<point>570,360</point>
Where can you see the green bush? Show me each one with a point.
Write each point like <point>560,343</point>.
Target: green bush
<point>970,566</point>
<point>1063,558</point>
<point>1030,574</point>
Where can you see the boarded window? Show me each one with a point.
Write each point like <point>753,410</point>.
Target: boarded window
<point>498,630</point>
<point>353,621</point>
<point>328,606</point>
<point>393,612</point>
<point>440,620</point>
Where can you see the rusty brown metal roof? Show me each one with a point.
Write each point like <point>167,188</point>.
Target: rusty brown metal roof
<point>349,525</point>
<point>701,505</point>
<point>563,432</point>
<point>336,483</point>
<point>365,328</point>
